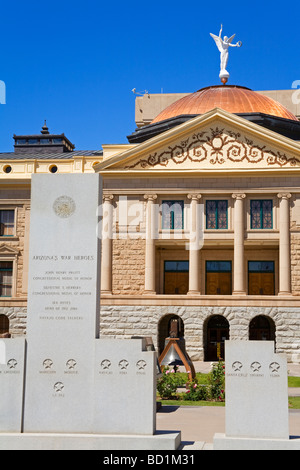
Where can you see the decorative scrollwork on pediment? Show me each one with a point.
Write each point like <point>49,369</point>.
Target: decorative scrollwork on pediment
<point>215,146</point>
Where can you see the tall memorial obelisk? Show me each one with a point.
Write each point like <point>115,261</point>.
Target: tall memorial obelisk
<point>63,303</point>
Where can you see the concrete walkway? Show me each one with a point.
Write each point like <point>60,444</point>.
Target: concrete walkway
<point>199,424</point>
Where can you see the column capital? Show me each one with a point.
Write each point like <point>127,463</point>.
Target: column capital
<point>150,197</point>
<point>239,195</point>
<point>194,196</point>
<point>107,197</point>
<point>284,195</point>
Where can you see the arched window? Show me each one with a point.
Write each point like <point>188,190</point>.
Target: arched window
<point>262,328</point>
<point>216,332</point>
<point>4,326</point>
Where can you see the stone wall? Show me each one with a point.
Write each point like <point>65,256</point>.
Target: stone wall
<point>127,321</point>
<point>128,267</point>
<point>295,263</point>
<point>17,319</point>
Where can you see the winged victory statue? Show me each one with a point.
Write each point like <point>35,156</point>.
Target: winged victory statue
<point>223,46</point>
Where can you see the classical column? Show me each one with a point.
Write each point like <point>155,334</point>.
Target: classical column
<point>239,235</point>
<point>194,246</point>
<point>284,245</point>
<point>150,244</point>
<point>107,244</point>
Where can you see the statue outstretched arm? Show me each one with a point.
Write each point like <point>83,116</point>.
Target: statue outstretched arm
<point>238,44</point>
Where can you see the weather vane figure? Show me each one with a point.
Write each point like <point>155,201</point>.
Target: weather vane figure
<point>223,45</point>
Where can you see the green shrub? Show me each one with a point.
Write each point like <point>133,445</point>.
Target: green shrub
<point>167,385</point>
<point>217,381</point>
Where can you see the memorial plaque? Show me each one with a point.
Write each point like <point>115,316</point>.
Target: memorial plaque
<point>256,391</point>
<point>63,303</point>
<point>11,384</point>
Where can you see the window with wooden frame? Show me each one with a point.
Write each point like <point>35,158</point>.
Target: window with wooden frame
<point>6,278</point>
<point>217,215</point>
<point>7,222</point>
<point>261,214</point>
<point>172,215</point>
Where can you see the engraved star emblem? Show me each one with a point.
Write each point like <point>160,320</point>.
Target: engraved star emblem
<point>123,364</point>
<point>48,364</point>
<point>274,367</point>
<point>105,364</point>
<point>255,366</point>
<point>59,387</point>
<point>141,365</point>
<point>12,364</point>
<point>71,364</point>
<point>237,366</point>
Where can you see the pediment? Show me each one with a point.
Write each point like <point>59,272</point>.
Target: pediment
<point>8,250</point>
<point>215,141</point>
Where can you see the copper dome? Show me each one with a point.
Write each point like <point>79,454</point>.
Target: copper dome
<point>231,98</point>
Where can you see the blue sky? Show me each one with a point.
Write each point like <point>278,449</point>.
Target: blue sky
<point>75,63</point>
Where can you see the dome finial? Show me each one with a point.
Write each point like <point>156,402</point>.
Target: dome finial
<point>223,45</point>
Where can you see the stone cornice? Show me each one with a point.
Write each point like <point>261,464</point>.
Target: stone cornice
<point>202,301</point>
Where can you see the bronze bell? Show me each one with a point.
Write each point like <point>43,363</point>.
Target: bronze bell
<point>172,358</point>
<point>176,355</point>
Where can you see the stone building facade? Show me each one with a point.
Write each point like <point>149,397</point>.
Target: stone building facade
<point>201,222</point>
<point>230,176</point>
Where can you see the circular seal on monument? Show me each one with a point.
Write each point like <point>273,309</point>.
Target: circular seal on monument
<point>64,207</point>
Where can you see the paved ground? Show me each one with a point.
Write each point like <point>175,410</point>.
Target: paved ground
<point>198,425</point>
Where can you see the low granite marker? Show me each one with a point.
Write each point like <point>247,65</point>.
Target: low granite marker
<point>11,384</point>
<point>256,390</point>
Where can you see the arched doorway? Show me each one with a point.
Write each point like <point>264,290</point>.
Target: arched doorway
<point>164,329</point>
<point>217,332</point>
<point>262,328</point>
<point>4,326</point>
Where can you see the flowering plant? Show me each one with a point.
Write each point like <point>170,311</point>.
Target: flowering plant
<point>167,384</point>
<point>195,392</point>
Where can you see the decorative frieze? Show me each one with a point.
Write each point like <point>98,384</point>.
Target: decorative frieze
<point>217,147</point>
